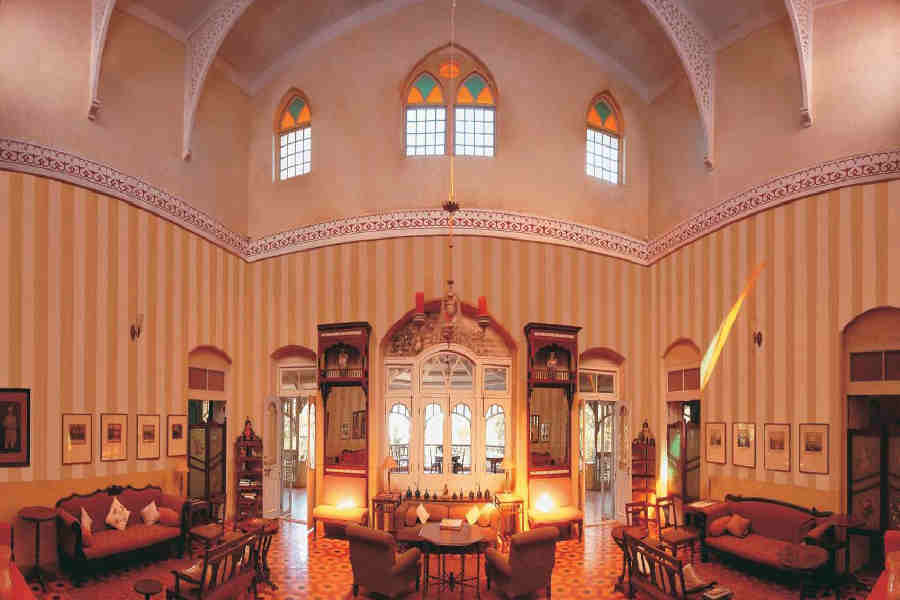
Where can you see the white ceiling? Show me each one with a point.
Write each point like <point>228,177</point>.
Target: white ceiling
<point>623,31</point>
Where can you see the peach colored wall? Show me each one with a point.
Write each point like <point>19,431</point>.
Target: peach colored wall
<point>830,257</point>
<point>44,98</point>
<point>856,75</point>
<point>354,87</point>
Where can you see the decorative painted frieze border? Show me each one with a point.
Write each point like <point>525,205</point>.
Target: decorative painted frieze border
<point>41,160</point>
<point>48,162</point>
<point>860,168</point>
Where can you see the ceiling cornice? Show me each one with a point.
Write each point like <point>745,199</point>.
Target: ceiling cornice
<point>101,13</point>
<point>40,160</point>
<point>801,14</point>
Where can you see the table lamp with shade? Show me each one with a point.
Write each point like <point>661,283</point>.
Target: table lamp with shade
<point>507,466</point>
<point>390,463</point>
<point>182,470</point>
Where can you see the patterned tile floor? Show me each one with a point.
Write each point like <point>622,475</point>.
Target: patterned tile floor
<point>320,569</point>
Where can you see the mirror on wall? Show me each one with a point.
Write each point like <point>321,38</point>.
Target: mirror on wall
<point>548,429</point>
<point>346,430</point>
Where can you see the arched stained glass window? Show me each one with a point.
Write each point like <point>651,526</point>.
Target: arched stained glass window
<point>494,438</point>
<point>474,123</point>
<point>461,438</point>
<point>426,117</point>
<point>603,158</point>
<point>399,433</point>
<point>293,131</point>
<point>434,439</point>
<point>448,369</point>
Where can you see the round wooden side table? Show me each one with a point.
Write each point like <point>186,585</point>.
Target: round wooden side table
<point>147,587</point>
<point>37,515</point>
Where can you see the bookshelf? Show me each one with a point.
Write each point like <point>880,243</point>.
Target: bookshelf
<point>249,469</point>
<point>643,470</point>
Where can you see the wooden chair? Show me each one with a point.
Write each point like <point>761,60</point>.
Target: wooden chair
<point>657,574</point>
<point>671,535</point>
<point>228,570</point>
<point>636,525</point>
<point>212,532</point>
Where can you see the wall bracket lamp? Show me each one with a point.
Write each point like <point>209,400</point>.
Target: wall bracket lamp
<point>137,327</point>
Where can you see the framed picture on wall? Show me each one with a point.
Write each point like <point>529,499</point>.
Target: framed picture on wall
<point>743,445</point>
<point>77,439</point>
<point>345,431</point>
<point>535,428</point>
<point>147,437</point>
<point>113,436</point>
<point>545,432</point>
<point>777,446</point>
<point>716,437</point>
<point>15,427</point>
<point>176,435</point>
<point>814,448</point>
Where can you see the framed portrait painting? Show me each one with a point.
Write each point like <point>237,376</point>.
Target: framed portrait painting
<point>176,435</point>
<point>15,427</point>
<point>716,435</point>
<point>77,439</point>
<point>345,431</point>
<point>814,448</point>
<point>743,445</point>
<point>777,446</point>
<point>545,432</point>
<point>113,436</point>
<point>147,437</point>
<point>535,428</point>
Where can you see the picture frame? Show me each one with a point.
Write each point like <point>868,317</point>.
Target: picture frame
<point>716,442</point>
<point>359,424</point>
<point>15,427</point>
<point>545,432</point>
<point>147,437</point>
<point>743,444</point>
<point>77,431</point>
<point>813,448</point>
<point>777,446</point>
<point>345,431</point>
<point>113,437</point>
<point>176,435</point>
<point>535,428</point>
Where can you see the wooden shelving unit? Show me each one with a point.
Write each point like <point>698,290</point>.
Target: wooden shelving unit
<point>249,467</point>
<point>643,470</point>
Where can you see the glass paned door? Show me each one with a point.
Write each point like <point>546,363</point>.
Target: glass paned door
<point>400,442</point>
<point>598,435</point>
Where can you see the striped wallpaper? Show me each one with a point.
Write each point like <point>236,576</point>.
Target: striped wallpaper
<point>78,266</point>
<point>830,257</point>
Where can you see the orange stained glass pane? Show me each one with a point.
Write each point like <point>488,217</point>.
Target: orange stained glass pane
<point>464,97</point>
<point>485,97</point>
<point>304,115</point>
<point>449,70</point>
<point>415,96</point>
<point>287,121</point>
<point>611,123</point>
<point>436,96</point>
<point>594,119</point>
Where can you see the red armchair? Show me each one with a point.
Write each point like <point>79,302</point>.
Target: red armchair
<point>891,544</point>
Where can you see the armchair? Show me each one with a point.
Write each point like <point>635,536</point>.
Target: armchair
<point>528,568</point>
<point>376,566</point>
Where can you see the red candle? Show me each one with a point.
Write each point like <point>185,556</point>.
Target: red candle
<point>420,303</point>
<point>482,306</point>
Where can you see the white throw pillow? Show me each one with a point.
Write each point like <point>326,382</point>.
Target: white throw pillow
<point>86,523</point>
<point>472,515</point>
<point>691,579</point>
<point>150,513</point>
<point>422,514</point>
<point>118,515</point>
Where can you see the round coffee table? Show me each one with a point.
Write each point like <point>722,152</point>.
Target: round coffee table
<point>37,515</point>
<point>147,587</point>
<point>805,561</point>
<point>461,542</point>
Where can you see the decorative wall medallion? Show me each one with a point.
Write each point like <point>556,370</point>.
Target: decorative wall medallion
<point>411,339</point>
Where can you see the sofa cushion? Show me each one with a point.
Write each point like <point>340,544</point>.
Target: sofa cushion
<point>118,515</point>
<point>754,547</point>
<point>738,526</point>
<point>719,526</point>
<point>422,513</point>
<point>136,500</point>
<point>113,541</point>
<point>86,532</point>
<point>96,505</point>
<point>150,514</point>
<point>333,513</point>
<point>169,517</point>
<point>775,520</point>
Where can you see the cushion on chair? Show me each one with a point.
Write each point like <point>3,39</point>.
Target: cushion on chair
<point>333,513</point>
<point>678,536</point>
<point>211,531</point>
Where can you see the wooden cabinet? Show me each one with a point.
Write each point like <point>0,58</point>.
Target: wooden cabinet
<point>249,470</point>
<point>643,470</point>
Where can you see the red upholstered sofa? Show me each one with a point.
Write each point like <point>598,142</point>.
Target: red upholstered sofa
<point>354,457</point>
<point>106,542</point>
<point>774,526</point>
<point>541,459</point>
<point>891,544</point>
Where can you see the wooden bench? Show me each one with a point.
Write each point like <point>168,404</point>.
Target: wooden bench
<point>227,571</point>
<point>657,574</point>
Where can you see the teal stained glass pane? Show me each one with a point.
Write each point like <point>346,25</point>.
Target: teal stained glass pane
<point>603,110</point>
<point>475,84</point>
<point>425,83</point>
<point>296,107</point>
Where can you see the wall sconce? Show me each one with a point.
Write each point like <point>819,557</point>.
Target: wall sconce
<point>757,338</point>
<point>483,319</point>
<point>137,327</point>
<point>419,315</point>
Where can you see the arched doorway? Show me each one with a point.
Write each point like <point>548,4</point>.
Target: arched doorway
<point>681,376</point>
<point>448,400</point>
<point>600,391</point>
<point>871,360</point>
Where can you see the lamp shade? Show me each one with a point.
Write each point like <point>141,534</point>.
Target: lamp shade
<point>389,463</point>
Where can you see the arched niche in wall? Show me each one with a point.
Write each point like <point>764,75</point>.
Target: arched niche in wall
<point>680,441</point>
<point>207,396</point>
<point>448,373</point>
<point>870,366</point>
<point>604,427</point>
<point>289,429</point>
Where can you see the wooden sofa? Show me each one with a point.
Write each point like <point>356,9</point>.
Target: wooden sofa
<point>80,557</point>
<point>331,512</point>
<point>408,525</point>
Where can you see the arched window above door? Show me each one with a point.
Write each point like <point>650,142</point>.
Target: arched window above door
<point>448,370</point>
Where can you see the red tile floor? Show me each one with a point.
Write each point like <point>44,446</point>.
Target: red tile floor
<point>320,569</point>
